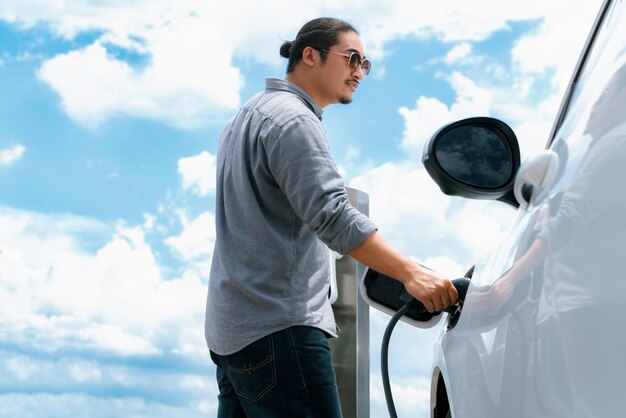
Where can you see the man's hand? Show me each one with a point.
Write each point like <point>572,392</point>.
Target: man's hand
<point>432,289</point>
<point>429,287</point>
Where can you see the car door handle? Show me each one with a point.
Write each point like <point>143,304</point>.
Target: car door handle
<point>535,176</point>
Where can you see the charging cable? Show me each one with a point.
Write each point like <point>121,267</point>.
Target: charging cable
<point>461,285</point>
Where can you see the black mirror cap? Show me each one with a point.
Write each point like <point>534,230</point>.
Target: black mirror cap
<point>455,187</point>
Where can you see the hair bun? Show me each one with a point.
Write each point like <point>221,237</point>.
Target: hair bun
<point>285,49</point>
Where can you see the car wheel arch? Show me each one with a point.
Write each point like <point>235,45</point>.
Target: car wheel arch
<point>440,406</point>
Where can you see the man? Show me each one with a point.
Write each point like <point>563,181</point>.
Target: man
<point>280,203</point>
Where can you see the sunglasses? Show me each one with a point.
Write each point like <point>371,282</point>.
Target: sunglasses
<point>354,60</point>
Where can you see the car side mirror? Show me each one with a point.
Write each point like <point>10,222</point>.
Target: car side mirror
<point>476,158</point>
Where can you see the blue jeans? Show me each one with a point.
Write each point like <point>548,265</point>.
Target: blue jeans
<point>287,374</point>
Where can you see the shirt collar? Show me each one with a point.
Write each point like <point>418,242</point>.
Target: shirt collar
<point>284,85</point>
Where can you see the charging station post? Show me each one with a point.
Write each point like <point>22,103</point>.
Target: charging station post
<point>351,349</point>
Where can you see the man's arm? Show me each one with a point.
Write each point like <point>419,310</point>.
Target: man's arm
<point>429,287</point>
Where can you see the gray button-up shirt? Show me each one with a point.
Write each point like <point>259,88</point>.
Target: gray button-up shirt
<point>280,204</point>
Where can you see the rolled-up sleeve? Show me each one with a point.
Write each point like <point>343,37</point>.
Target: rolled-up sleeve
<point>300,161</point>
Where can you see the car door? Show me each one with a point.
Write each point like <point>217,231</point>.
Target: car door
<point>488,350</point>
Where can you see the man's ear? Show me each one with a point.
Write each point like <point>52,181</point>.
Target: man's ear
<point>309,56</point>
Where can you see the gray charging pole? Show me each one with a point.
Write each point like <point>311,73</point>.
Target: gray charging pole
<point>351,349</point>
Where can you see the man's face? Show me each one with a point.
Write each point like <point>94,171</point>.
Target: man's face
<point>336,81</point>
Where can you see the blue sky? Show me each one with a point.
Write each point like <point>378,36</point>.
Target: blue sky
<point>110,115</point>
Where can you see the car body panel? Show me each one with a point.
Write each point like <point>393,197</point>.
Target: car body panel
<point>541,333</point>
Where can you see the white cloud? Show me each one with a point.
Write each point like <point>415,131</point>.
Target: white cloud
<point>178,84</point>
<point>558,41</point>
<point>9,156</point>
<point>352,152</point>
<point>187,79</point>
<point>458,53</point>
<point>80,301</point>
<point>459,20</point>
<point>532,136</point>
<point>400,190</point>
<point>430,114</point>
<point>197,238</point>
<point>452,268</point>
<point>36,405</point>
<point>190,79</point>
<point>411,396</point>
<point>88,103</point>
<point>450,232</point>
<point>528,93</point>
<point>480,225</point>
<point>198,173</point>
<point>111,300</point>
<point>179,88</point>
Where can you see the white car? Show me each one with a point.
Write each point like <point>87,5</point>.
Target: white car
<point>541,332</point>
